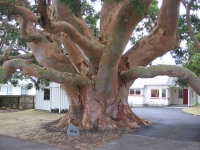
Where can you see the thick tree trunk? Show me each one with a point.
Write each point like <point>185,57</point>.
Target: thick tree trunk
<point>89,112</point>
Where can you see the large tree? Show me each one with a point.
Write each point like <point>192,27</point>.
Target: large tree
<point>96,73</point>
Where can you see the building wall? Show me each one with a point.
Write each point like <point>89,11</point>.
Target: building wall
<point>156,101</point>
<point>174,95</point>
<point>146,99</point>
<point>40,103</point>
<point>58,99</point>
<point>193,97</point>
<point>136,100</point>
<point>15,90</point>
<point>198,99</point>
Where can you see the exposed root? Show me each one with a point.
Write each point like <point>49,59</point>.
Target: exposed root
<point>103,123</point>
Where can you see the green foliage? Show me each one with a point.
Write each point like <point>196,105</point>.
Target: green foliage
<point>91,18</point>
<point>145,26</point>
<point>138,5</point>
<point>17,77</point>
<point>1,74</point>
<point>188,56</point>
<point>73,5</point>
<point>181,82</point>
<point>10,1</point>
<point>197,104</point>
<point>87,11</point>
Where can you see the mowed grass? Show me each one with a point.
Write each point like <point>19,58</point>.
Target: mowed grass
<point>192,110</point>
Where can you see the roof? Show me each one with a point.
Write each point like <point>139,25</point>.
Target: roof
<point>159,80</point>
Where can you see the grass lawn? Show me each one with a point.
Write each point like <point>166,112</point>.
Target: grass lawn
<point>33,124</point>
<point>192,110</point>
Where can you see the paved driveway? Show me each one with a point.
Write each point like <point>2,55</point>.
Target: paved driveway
<point>169,123</point>
<point>171,129</point>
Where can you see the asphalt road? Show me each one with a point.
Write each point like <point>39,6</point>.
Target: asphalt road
<point>169,123</point>
<point>171,129</point>
<point>9,143</point>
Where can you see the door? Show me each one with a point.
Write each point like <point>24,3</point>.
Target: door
<point>185,96</point>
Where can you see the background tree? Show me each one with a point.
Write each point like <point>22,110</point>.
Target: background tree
<point>187,54</point>
<point>96,73</point>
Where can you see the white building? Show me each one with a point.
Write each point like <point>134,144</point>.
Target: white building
<point>52,97</point>
<point>8,89</point>
<point>160,91</point>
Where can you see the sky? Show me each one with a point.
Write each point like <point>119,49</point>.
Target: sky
<point>166,58</point>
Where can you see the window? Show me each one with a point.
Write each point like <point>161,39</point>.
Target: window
<point>24,90</point>
<point>9,90</point>
<point>135,91</point>
<point>180,93</point>
<point>46,94</point>
<point>164,92</point>
<point>131,91</point>
<point>155,93</point>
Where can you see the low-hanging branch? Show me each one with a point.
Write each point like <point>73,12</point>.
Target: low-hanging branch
<point>28,68</point>
<point>169,70</point>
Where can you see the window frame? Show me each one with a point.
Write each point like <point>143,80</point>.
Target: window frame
<point>180,95</point>
<point>165,93</point>
<point>131,90</point>
<point>158,91</point>
<point>45,95</point>
<point>135,91</point>
<point>24,90</point>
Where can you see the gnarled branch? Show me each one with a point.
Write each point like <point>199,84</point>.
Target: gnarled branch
<point>27,37</point>
<point>26,56</point>
<point>27,68</point>
<point>75,54</point>
<point>163,38</point>
<point>90,48</point>
<point>169,70</point>
<point>6,52</point>
<point>65,14</point>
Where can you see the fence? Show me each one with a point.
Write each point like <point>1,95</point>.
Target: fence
<point>25,101</point>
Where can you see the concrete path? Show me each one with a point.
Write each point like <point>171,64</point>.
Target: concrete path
<point>9,143</point>
<point>172,129</point>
